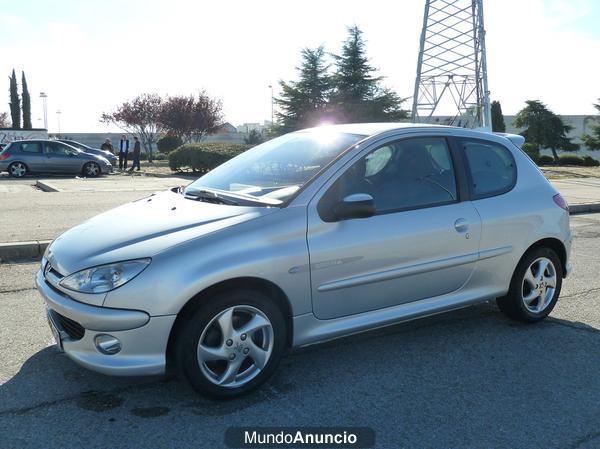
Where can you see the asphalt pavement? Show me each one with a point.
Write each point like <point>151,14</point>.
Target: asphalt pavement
<point>28,213</point>
<point>466,379</point>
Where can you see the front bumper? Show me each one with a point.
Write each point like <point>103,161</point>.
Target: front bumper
<point>143,338</point>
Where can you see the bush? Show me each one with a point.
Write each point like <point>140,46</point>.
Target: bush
<point>545,160</point>
<point>204,156</point>
<point>160,157</point>
<point>589,161</point>
<point>570,159</point>
<point>532,150</point>
<point>168,143</point>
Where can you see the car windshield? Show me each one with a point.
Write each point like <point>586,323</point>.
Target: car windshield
<point>272,172</point>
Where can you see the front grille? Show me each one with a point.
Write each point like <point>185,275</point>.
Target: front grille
<point>72,328</point>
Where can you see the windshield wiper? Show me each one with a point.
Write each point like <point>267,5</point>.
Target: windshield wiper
<point>209,197</point>
<point>232,198</point>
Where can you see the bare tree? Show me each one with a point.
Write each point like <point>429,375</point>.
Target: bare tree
<point>4,123</point>
<point>191,118</point>
<point>140,116</point>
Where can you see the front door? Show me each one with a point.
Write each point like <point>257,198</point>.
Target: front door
<point>421,243</point>
<point>61,159</point>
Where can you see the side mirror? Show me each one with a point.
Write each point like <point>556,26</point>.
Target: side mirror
<point>357,205</point>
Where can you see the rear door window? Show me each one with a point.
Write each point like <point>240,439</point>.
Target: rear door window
<point>31,147</point>
<point>491,167</point>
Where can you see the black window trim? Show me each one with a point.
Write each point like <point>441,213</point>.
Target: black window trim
<point>457,142</point>
<point>456,158</point>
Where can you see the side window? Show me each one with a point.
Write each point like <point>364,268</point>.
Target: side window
<point>31,147</point>
<point>57,148</point>
<point>492,167</point>
<point>405,174</point>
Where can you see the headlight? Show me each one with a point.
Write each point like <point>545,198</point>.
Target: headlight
<point>104,278</point>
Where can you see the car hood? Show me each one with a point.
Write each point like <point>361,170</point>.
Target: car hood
<point>94,157</point>
<point>143,228</point>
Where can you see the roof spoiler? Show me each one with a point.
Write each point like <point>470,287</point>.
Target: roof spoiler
<point>514,138</point>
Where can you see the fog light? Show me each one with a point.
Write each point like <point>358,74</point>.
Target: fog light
<point>107,344</point>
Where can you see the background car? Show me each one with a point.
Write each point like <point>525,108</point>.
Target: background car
<point>50,156</point>
<point>87,149</point>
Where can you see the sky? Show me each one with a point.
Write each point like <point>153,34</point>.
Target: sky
<point>90,55</point>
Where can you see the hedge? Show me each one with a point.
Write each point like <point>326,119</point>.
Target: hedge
<point>545,160</point>
<point>589,161</point>
<point>204,156</point>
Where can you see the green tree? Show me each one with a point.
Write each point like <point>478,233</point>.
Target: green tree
<point>358,95</point>
<point>498,125</point>
<point>26,99</point>
<point>15,103</point>
<point>544,128</point>
<point>303,103</point>
<point>592,140</point>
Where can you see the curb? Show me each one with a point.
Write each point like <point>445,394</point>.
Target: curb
<point>46,187</point>
<point>23,251</point>
<point>584,208</point>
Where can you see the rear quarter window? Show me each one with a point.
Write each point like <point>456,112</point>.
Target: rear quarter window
<point>491,166</point>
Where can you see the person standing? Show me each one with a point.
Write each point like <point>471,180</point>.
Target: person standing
<point>123,151</point>
<point>107,146</point>
<point>137,149</point>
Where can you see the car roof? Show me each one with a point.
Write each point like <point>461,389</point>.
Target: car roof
<point>370,129</point>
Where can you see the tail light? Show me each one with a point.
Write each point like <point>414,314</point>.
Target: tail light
<point>4,155</point>
<point>560,202</point>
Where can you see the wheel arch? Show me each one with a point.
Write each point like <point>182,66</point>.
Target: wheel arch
<point>553,243</point>
<point>27,168</point>
<point>258,284</point>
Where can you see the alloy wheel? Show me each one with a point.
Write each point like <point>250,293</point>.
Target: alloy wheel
<point>539,285</point>
<point>18,170</point>
<point>235,346</point>
<point>92,169</point>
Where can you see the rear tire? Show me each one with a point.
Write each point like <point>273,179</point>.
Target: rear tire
<point>231,344</point>
<point>535,286</point>
<point>17,169</point>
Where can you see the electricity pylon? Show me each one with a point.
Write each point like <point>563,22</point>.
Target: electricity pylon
<point>451,70</point>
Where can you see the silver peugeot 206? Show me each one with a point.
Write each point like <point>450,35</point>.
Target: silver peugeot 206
<point>311,236</point>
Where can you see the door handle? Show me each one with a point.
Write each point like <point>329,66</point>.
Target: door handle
<point>461,225</point>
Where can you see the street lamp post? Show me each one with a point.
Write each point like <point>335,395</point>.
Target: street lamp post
<point>58,119</point>
<point>44,98</point>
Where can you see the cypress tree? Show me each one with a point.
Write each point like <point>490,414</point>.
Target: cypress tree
<point>498,125</point>
<point>26,99</point>
<point>15,103</point>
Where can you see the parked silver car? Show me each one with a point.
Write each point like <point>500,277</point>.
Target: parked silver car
<point>50,156</point>
<point>308,237</point>
<point>87,149</point>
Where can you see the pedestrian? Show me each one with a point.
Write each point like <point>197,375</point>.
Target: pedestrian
<point>137,149</point>
<point>123,151</point>
<point>107,146</point>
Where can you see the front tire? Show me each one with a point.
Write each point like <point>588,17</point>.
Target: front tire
<point>231,344</point>
<point>91,170</point>
<point>17,169</point>
<point>535,286</point>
